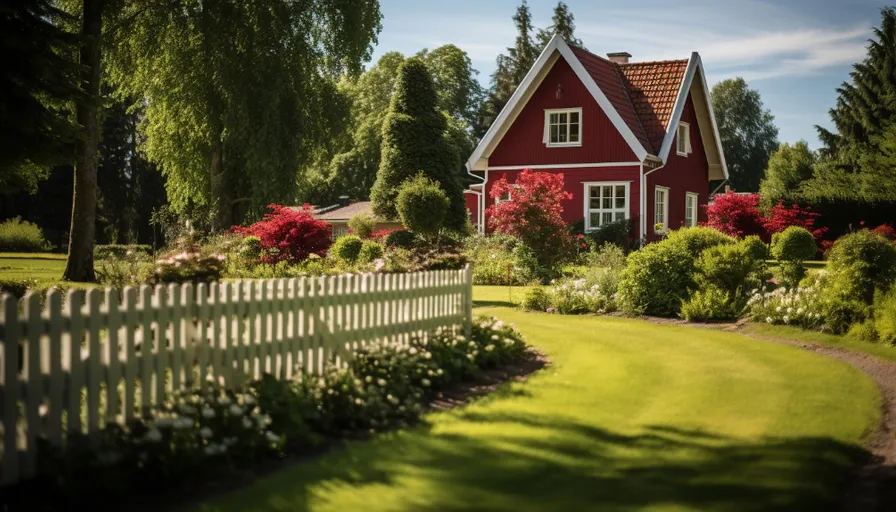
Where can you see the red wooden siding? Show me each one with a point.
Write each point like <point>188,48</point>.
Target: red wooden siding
<point>574,208</point>
<point>472,202</point>
<point>681,174</point>
<point>523,144</point>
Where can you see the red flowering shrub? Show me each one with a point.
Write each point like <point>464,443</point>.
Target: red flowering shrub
<point>736,215</point>
<point>534,215</point>
<point>289,235</point>
<point>886,231</point>
<point>782,217</point>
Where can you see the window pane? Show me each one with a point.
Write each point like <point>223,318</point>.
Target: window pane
<point>554,119</point>
<point>594,191</point>
<point>562,118</point>
<point>608,191</point>
<point>574,133</point>
<point>573,117</point>
<point>562,129</point>
<point>608,202</point>
<point>606,218</point>
<point>594,203</point>
<point>620,202</point>
<point>554,136</point>
<point>620,190</point>
<point>595,220</point>
<point>620,215</point>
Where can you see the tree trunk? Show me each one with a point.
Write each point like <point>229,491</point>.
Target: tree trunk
<point>79,266</point>
<point>221,196</point>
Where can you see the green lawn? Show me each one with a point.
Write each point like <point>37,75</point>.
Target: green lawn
<point>885,352</point>
<point>630,416</point>
<point>45,267</point>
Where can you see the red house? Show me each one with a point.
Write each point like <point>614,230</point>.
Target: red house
<point>634,140</point>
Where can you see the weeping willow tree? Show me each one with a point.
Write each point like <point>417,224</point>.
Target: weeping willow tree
<point>235,92</point>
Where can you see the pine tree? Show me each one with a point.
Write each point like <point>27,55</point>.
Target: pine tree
<point>415,139</point>
<point>563,25</point>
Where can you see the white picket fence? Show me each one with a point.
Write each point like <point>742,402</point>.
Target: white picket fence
<point>101,357</point>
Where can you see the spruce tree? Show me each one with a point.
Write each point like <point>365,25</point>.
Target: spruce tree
<point>415,139</point>
<point>563,24</point>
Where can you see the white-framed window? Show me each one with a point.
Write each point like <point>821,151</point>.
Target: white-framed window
<point>691,200</point>
<point>683,139</point>
<point>563,127</point>
<point>661,209</point>
<point>605,202</point>
<point>507,196</point>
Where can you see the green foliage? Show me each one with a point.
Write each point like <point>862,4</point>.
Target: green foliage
<point>362,225</point>
<point>537,299</point>
<point>749,135</point>
<point>400,238</point>
<point>102,252</point>
<point>264,106</point>
<point>728,268</point>
<point>618,233</point>
<point>130,269</point>
<point>711,304</point>
<point>788,169</point>
<point>250,248</point>
<point>500,259</point>
<point>563,24</point>
<point>864,263</point>
<point>609,256</point>
<point>370,252</point>
<point>756,248</point>
<point>794,244</point>
<point>659,277</point>
<point>864,331</point>
<point>885,317</point>
<point>17,235</point>
<point>187,263</point>
<point>422,205</point>
<point>414,140</point>
<point>17,287</point>
<point>347,248</point>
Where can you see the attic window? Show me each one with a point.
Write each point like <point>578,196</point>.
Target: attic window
<point>683,139</point>
<point>563,127</point>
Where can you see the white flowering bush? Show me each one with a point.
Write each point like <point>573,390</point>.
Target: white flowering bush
<point>499,343</point>
<point>575,296</point>
<point>801,306</point>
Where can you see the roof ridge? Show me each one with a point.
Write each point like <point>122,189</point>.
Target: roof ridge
<point>652,62</point>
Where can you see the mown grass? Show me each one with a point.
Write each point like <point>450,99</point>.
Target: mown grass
<point>44,267</point>
<point>629,416</point>
<point>885,352</point>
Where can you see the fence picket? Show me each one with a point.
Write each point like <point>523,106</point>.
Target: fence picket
<point>105,356</point>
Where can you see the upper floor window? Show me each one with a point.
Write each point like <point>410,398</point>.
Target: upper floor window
<point>683,139</point>
<point>563,127</point>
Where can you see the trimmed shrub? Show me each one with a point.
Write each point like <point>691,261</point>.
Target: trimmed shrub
<point>422,205</point>
<point>347,248</point>
<point>370,251</point>
<point>618,233</point>
<point>862,263</point>
<point>729,268</point>
<point>659,277</point>
<point>17,287</point>
<point>711,304</point>
<point>17,235</point>
<point>102,252</point>
<point>362,225</point>
<point>756,248</point>
<point>794,244</point>
<point>536,299</point>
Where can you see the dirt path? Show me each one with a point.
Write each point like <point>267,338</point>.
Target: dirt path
<point>874,487</point>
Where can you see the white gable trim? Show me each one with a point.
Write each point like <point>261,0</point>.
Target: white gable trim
<point>695,65</point>
<point>514,105</point>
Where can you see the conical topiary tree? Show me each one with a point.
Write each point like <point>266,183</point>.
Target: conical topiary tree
<point>415,140</point>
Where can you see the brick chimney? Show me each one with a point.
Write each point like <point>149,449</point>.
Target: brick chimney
<point>619,57</point>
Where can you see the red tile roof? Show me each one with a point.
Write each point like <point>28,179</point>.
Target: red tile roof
<point>643,93</point>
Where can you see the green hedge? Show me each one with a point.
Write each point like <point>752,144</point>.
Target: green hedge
<point>102,252</point>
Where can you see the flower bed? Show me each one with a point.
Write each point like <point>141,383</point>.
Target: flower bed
<point>203,434</point>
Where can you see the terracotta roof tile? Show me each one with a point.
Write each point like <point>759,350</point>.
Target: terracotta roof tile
<point>643,93</point>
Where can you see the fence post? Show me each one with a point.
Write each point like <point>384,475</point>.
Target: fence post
<point>468,300</point>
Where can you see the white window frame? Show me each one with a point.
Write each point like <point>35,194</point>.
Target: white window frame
<point>683,144</point>
<point>665,221</point>
<point>691,196</point>
<point>508,195</point>
<point>547,127</point>
<point>587,210</point>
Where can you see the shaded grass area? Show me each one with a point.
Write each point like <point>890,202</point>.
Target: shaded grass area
<point>885,352</point>
<point>629,416</point>
<point>44,267</point>
<point>509,296</point>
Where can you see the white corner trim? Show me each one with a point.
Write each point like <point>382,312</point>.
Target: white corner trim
<point>712,117</point>
<point>563,166</point>
<point>557,43</point>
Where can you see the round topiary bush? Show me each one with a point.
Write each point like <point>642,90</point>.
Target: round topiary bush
<point>347,248</point>
<point>756,248</point>
<point>370,251</point>
<point>422,205</point>
<point>863,262</point>
<point>794,244</point>
<point>659,277</point>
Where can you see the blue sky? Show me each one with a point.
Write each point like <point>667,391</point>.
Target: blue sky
<point>794,52</point>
